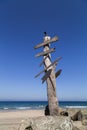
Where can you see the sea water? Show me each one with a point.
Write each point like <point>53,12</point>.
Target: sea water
<point>27,105</point>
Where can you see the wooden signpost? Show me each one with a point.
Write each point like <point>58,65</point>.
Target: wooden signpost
<point>46,42</point>
<point>49,70</point>
<point>45,52</point>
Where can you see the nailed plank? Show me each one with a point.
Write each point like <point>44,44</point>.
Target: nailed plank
<point>45,52</point>
<point>54,63</point>
<point>46,75</point>
<point>58,73</point>
<point>54,39</point>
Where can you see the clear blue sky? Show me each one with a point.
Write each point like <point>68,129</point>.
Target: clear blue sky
<point>22,23</point>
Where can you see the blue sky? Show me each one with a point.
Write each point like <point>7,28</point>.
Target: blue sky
<point>22,23</point>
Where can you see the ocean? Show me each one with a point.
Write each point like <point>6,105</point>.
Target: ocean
<point>27,105</point>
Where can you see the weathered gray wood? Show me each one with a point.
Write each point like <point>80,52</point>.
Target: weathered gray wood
<point>44,78</point>
<point>51,64</point>
<point>45,52</point>
<point>58,73</point>
<point>49,69</point>
<point>78,116</point>
<point>50,59</point>
<point>44,60</point>
<point>51,86</point>
<point>54,39</point>
<point>51,92</point>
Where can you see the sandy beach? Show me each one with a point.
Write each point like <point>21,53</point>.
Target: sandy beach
<point>10,120</point>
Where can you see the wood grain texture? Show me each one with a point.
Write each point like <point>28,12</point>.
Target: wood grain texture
<point>54,39</point>
<point>45,52</point>
<point>51,85</point>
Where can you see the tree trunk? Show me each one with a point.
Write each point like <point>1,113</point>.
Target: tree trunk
<point>51,86</point>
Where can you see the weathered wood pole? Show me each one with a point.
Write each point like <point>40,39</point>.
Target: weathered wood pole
<point>50,75</point>
<point>51,82</point>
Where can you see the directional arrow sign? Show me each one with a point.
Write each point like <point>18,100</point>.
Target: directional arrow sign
<point>54,39</point>
<point>54,63</point>
<point>45,52</point>
<point>58,73</point>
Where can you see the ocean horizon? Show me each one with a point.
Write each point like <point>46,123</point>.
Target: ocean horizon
<point>37,105</point>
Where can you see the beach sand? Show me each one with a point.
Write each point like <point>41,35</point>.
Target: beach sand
<point>10,120</point>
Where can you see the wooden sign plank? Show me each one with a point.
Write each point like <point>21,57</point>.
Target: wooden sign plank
<point>54,39</point>
<point>58,73</point>
<point>45,52</point>
<point>54,63</point>
<point>46,75</point>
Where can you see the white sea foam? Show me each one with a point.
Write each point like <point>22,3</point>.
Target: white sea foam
<point>39,107</point>
<point>75,106</point>
<point>5,108</point>
<point>23,108</point>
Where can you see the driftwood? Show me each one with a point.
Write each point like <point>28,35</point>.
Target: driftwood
<point>54,39</point>
<point>45,52</point>
<point>47,75</point>
<point>44,60</point>
<point>58,73</point>
<point>78,116</point>
<point>47,111</point>
<point>51,84</point>
<point>49,69</point>
<point>64,113</point>
<point>52,64</point>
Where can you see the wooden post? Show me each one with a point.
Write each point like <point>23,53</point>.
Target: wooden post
<point>50,76</point>
<point>51,83</point>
